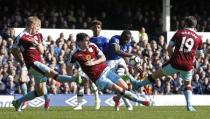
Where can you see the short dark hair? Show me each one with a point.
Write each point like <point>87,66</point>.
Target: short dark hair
<point>190,21</point>
<point>81,37</point>
<point>126,32</point>
<point>96,22</point>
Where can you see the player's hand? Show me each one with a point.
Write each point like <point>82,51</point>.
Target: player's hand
<point>89,63</point>
<point>33,41</point>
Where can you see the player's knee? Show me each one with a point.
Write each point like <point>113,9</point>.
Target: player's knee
<point>39,92</point>
<point>52,73</point>
<point>117,88</point>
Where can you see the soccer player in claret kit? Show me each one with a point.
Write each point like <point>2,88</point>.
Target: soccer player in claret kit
<point>24,78</point>
<point>182,49</point>
<point>101,43</point>
<point>29,45</point>
<point>92,61</point>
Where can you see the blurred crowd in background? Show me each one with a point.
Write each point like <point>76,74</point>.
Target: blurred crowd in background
<point>118,14</point>
<point>114,14</point>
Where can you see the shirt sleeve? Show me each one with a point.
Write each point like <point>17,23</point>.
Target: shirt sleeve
<point>200,47</point>
<point>71,59</point>
<point>172,42</point>
<point>97,50</point>
<point>16,42</point>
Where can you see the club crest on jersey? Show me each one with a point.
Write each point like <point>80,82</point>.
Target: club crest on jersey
<point>88,57</point>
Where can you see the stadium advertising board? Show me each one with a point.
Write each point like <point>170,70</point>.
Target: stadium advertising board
<point>6,101</point>
<point>106,100</point>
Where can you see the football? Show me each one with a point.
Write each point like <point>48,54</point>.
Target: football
<point>135,60</point>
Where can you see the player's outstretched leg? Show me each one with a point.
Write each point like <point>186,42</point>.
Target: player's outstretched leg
<point>137,83</point>
<point>64,78</point>
<point>129,95</point>
<point>29,96</point>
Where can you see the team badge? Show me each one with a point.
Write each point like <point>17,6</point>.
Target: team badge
<point>88,57</point>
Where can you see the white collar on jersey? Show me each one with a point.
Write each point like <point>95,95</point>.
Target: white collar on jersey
<point>27,32</point>
<point>88,49</point>
<point>191,29</point>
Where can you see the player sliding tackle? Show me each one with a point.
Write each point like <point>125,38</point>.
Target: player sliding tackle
<point>92,61</point>
<point>183,47</point>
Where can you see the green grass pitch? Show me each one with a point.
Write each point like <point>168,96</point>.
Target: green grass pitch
<point>176,112</point>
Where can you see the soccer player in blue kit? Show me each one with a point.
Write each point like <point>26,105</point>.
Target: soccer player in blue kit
<point>117,53</point>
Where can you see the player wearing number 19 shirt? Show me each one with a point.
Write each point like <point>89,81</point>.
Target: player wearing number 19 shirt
<point>182,49</point>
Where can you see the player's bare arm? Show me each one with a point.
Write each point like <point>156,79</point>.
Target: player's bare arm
<point>18,55</point>
<point>170,50</point>
<point>127,58</point>
<point>121,53</point>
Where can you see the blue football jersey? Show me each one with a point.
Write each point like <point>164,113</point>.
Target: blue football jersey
<point>110,54</point>
<point>100,41</point>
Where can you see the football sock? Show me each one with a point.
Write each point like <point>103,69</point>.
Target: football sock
<point>29,96</point>
<point>131,96</point>
<point>23,88</point>
<point>46,96</point>
<point>188,95</point>
<point>126,102</point>
<point>95,91</point>
<point>64,78</point>
<point>136,83</point>
<point>80,94</point>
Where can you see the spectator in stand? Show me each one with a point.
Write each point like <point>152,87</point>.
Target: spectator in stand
<point>157,87</point>
<point>197,85</point>
<point>206,86</point>
<point>161,42</point>
<point>11,85</point>
<point>143,37</point>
